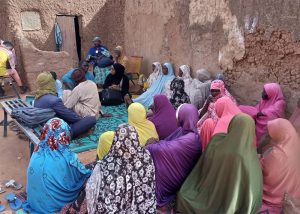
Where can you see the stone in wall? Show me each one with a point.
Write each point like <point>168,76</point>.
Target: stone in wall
<point>36,61</point>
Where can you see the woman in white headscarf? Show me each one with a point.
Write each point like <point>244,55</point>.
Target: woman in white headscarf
<point>157,70</point>
<point>201,88</point>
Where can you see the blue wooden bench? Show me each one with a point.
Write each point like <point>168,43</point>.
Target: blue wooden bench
<point>31,134</point>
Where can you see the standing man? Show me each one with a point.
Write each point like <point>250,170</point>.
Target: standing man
<point>8,65</point>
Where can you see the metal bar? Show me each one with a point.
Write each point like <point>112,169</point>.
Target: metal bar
<point>5,123</point>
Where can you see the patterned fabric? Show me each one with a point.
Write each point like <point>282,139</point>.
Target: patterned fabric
<point>101,74</point>
<point>178,94</point>
<point>124,181</point>
<point>55,176</point>
<point>88,142</point>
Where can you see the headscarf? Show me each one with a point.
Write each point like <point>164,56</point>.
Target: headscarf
<point>155,74</point>
<point>226,110</point>
<point>176,156</point>
<point>123,60</point>
<point>45,84</point>
<point>179,96</point>
<point>211,112</point>
<point>219,76</point>
<point>124,181</point>
<point>117,77</point>
<point>280,164</point>
<point>55,176</point>
<point>167,89</point>
<point>227,177</point>
<point>272,108</point>
<point>104,144</point>
<point>201,88</point>
<point>203,75</point>
<point>97,38</point>
<point>78,76</point>
<point>163,111</point>
<point>186,72</point>
<point>144,127</point>
<point>158,87</point>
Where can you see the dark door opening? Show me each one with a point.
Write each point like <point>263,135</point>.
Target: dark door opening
<point>71,40</point>
<point>78,39</point>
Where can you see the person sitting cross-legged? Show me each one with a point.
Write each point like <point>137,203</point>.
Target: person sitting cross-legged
<point>46,98</point>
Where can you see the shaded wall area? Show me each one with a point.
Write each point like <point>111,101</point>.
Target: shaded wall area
<point>3,20</point>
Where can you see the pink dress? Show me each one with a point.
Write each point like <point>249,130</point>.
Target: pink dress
<point>272,108</point>
<point>280,166</point>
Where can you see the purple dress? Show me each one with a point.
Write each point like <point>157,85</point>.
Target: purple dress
<point>164,117</point>
<point>175,157</point>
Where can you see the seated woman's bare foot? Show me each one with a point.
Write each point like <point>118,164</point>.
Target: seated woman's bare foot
<point>127,100</point>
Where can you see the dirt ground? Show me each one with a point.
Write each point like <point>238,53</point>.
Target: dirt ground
<point>15,156</point>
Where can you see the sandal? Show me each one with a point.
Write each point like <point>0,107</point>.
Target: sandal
<point>13,183</point>
<point>2,207</point>
<point>2,190</point>
<point>14,202</point>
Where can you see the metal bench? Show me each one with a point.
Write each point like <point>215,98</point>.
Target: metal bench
<point>32,134</point>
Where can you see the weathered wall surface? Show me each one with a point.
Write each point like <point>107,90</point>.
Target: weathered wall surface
<point>3,21</point>
<point>35,61</point>
<point>102,18</point>
<point>250,45</point>
<point>252,41</point>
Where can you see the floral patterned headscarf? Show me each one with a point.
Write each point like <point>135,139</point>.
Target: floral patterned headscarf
<point>55,134</point>
<point>124,181</point>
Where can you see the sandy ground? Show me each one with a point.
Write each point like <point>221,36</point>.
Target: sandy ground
<point>15,156</point>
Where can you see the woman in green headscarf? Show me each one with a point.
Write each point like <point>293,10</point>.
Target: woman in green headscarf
<point>46,84</point>
<point>228,176</point>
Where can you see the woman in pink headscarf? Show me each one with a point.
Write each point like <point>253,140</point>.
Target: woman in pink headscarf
<point>225,109</point>
<point>280,165</point>
<point>271,107</point>
<point>217,90</point>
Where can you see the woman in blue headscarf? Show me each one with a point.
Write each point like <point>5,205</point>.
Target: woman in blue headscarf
<point>55,176</point>
<point>158,87</point>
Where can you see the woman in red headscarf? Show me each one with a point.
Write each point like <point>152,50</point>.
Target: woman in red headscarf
<point>217,90</point>
<point>271,106</point>
<point>225,109</point>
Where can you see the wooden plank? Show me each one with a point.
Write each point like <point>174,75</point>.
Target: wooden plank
<point>67,26</point>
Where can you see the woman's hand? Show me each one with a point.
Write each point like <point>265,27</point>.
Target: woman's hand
<point>151,141</point>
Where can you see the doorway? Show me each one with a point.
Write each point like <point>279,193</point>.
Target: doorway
<point>70,32</point>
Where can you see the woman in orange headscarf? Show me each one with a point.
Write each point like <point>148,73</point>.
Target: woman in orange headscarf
<point>225,109</point>
<point>280,165</point>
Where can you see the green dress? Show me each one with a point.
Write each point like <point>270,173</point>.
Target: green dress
<point>228,176</point>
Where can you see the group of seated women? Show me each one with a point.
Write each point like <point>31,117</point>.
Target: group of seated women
<point>193,151</point>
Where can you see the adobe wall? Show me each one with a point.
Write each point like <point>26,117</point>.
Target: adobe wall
<point>3,21</point>
<point>252,41</point>
<point>98,17</point>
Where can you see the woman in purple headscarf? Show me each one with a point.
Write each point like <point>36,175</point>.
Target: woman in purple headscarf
<point>163,111</point>
<point>175,157</point>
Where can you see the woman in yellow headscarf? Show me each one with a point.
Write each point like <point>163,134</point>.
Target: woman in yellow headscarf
<point>144,127</point>
<point>137,118</point>
<point>104,144</point>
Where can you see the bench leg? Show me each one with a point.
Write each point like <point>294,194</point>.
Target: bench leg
<point>31,147</point>
<point>5,123</point>
<point>15,90</point>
